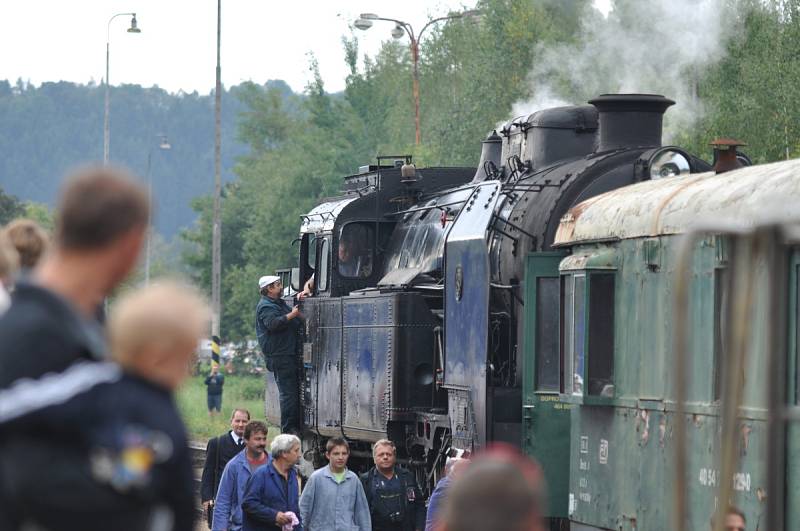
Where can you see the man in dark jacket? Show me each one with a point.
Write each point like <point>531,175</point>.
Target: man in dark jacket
<point>101,445</point>
<point>395,500</point>
<point>277,327</point>
<point>214,383</point>
<point>219,451</point>
<point>101,222</point>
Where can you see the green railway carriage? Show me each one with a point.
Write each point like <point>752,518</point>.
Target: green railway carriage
<point>600,404</point>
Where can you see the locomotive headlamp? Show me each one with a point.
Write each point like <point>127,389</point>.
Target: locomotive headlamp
<point>668,162</point>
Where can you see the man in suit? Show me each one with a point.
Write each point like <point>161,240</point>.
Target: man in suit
<point>219,451</point>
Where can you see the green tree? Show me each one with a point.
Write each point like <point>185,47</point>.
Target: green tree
<point>10,208</point>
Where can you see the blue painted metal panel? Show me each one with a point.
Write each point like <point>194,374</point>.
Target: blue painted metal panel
<point>367,359</point>
<point>467,303</point>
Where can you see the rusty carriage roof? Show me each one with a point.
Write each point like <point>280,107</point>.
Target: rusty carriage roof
<point>739,199</point>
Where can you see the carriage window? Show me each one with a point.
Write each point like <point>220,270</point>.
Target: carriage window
<point>601,335</point>
<point>720,326</point>
<point>324,258</point>
<point>579,334</point>
<point>355,255</point>
<point>547,362</point>
<point>573,332</point>
<point>567,287</point>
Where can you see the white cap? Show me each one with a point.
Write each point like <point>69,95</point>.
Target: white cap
<point>266,280</point>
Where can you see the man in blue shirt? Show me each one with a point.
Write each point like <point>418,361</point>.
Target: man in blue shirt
<point>228,505</point>
<point>334,498</point>
<point>451,468</point>
<point>277,327</point>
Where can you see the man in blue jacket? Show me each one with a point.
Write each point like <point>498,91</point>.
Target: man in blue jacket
<point>271,497</point>
<point>228,506</point>
<point>277,327</point>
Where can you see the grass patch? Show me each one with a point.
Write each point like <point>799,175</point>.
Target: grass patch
<point>239,392</point>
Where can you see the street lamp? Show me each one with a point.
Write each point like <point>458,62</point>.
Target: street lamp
<point>364,22</point>
<point>163,145</point>
<point>133,29</point>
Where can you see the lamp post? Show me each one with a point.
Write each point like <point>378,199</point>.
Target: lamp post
<point>164,145</point>
<point>216,229</point>
<point>133,29</point>
<point>364,22</point>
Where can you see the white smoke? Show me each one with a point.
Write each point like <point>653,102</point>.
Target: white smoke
<point>643,46</point>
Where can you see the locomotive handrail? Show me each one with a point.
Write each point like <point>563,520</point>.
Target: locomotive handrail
<point>420,209</point>
<point>514,226</point>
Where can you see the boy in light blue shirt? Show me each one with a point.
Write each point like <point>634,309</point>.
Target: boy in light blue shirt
<point>334,498</point>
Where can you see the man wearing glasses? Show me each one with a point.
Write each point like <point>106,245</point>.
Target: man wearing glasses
<point>277,326</point>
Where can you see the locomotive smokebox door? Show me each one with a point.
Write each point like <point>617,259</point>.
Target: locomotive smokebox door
<point>467,279</point>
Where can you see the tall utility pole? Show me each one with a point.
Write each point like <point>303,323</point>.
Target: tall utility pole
<point>216,236</point>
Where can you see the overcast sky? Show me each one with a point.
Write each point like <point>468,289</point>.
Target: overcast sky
<point>52,40</point>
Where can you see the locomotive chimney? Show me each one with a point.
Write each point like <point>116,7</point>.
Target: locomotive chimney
<point>490,153</point>
<point>630,120</point>
<point>725,156</point>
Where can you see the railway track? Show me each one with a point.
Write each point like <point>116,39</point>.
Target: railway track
<point>197,450</point>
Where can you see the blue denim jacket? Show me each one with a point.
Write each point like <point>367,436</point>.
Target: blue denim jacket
<point>228,504</point>
<point>264,498</point>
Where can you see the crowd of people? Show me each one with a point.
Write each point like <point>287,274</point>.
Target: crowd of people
<point>90,438</point>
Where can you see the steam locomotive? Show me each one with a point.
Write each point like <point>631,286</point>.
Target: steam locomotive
<point>416,329</point>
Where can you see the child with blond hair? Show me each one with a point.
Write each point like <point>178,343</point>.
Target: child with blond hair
<point>101,445</point>
<point>9,262</point>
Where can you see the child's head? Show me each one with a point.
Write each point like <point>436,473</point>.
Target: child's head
<point>154,331</point>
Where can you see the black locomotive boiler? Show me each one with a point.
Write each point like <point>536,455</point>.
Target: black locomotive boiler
<point>414,330</point>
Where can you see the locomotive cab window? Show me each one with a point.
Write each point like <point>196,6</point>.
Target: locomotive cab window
<point>355,255</point>
<point>308,257</point>
<point>323,258</point>
<point>587,334</point>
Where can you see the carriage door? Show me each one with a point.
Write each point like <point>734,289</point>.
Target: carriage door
<point>545,420</point>
<point>792,500</point>
<point>467,278</point>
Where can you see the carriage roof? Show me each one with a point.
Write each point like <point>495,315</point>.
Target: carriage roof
<point>739,199</point>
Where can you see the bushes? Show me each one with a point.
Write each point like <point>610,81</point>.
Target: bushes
<point>239,392</point>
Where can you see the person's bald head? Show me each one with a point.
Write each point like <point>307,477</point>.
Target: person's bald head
<point>498,491</point>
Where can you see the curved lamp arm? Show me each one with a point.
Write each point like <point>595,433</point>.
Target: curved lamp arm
<point>108,26</point>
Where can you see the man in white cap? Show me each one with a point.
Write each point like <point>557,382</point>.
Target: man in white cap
<point>276,328</point>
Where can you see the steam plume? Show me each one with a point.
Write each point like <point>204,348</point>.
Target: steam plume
<point>643,46</point>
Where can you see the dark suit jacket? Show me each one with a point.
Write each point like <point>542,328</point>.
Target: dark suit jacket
<point>227,450</point>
